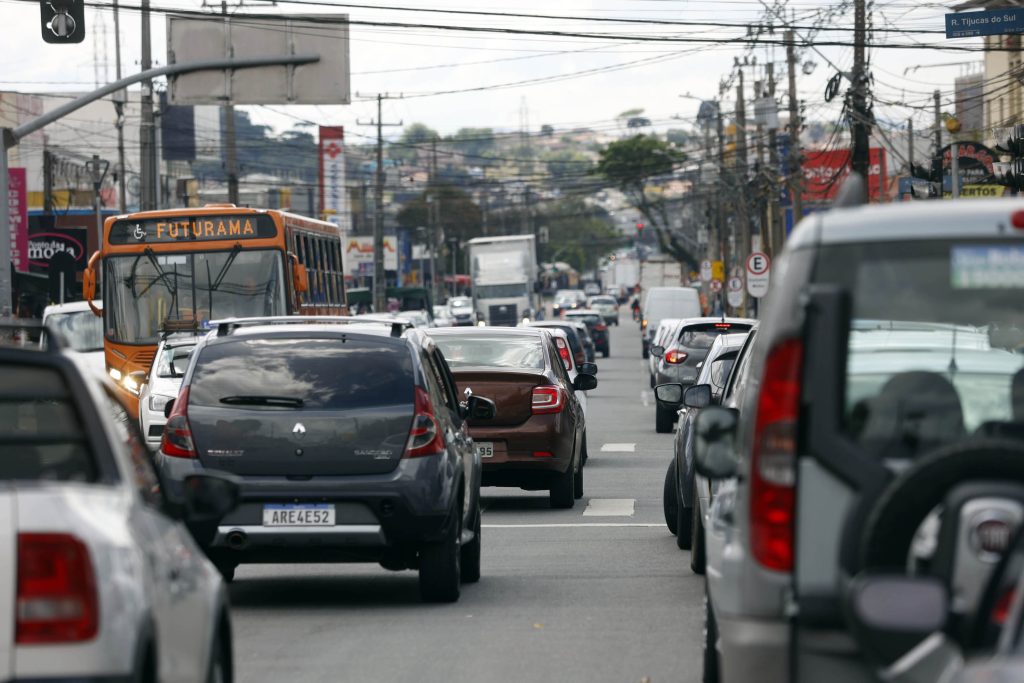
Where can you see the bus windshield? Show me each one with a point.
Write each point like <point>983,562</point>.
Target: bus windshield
<point>143,291</point>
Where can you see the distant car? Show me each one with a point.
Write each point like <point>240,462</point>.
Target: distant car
<point>580,343</point>
<point>350,441</point>
<point>538,438</point>
<point>443,317</point>
<point>592,288</point>
<point>595,326</point>
<point>420,319</point>
<point>163,384</point>
<point>679,356</point>
<point>607,306</point>
<point>664,331</point>
<point>567,299</point>
<point>461,310</point>
<point>101,576</point>
<point>660,303</point>
<point>81,329</point>
<point>619,292</point>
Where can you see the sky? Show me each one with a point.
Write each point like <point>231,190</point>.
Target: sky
<point>594,79</point>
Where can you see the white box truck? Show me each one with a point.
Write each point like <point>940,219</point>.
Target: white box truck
<point>504,276</point>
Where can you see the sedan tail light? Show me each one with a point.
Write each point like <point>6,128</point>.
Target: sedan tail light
<point>773,464</point>
<point>600,327</point>
<point>675,356</point>
<point>425,437</point>
<point>564,353</point>
<point>56,598</point>
<point>546,400</point>
<point>177,438</point>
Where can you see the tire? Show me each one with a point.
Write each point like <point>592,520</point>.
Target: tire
<point>471,553</point>
<point>562,492</point>
<point>440,565</point>
<point>663,421</point>
<point>221,662</point>
<point>605,353</point>
<point>585,455</point>
<point>698,556</point>
<point>577,483</point>
<point>646,352</point>
<point>669,497</point>
<point>710,674</point>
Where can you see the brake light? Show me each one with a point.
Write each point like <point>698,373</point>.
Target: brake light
<point>563,352</point>
<point>177,438</point>
<point>773,463</point>
<point>643,324</point>
<point>675,356</point>
<point>546,400</point>
<point>1017,220</point>
<point>1002,609</point>
<point>425,437</point>
<point>56,599</point>
<point>600,327</point>
<point>723,326</point>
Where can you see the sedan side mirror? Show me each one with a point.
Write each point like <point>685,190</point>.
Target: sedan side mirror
<point>584,382</point>
<point>697,396</point>
<point>669,395</point>
<point>715,447</point>
<point>480,408</point>
<point>588,368</point>
<point>208,497</point>
<point>657,350</point>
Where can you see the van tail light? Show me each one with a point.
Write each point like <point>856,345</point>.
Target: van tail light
<point>546,400</point>
<point>56,594</point>
<point>425,436</point>
<point>675,356</point>
<point>773,462</point>
<point>177,438</point>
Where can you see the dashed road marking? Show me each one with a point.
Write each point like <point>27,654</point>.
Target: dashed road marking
<point>610,507</point>
<point>645,397</point>
<point>618,448</point>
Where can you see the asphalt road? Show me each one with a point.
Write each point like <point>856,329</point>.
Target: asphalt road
<point>597,593</point>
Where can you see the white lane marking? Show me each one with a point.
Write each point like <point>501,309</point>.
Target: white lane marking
<point>618,448</point>
<point>610,507</point>
<point>587,524</point>
<point>645,398</point>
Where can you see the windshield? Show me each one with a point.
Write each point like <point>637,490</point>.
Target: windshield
<point>173,361</point>
<point>460,303</point>
<point>498,353</point>
<point>145,290</point>
<point>941,361</point>
<point>501,291</point>
<point>82,330</point>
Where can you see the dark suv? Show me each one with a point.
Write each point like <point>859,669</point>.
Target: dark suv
<point>349,440</point>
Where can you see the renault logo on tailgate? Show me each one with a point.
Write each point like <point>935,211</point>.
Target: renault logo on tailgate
<point>299,430</point>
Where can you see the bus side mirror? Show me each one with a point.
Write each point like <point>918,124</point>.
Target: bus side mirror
<point>89,283</point>
<point>300,276</point>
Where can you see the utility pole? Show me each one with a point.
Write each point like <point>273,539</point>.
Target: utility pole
<point>777,233</point>
<point>744,247</point>
<point>379,286</point>
<point>795,155</point>
<point>434,211</point>
<point>147,133</point>
<point>230,149</point>
<point>47,180</point>
<point>937,97</point>
<point>860,155</point>
<point>98,171</point>
<point>910,145</point>
<point>119,102</point>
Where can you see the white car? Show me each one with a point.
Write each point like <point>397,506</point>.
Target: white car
<point>100,579</point>
<point>162,386</point>
<point>81,329</point>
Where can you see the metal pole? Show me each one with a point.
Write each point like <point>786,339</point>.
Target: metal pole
<point>230,151</point>
<point>119,101</point>
<point>5,231</point>
<point>860,155</point>
<point>795,161</point>
<point>379,293</point>
<point>147,137</point>
<point>954,168</point>
<point>910,145</point>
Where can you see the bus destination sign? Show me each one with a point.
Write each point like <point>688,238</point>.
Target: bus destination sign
<point>192,229</point>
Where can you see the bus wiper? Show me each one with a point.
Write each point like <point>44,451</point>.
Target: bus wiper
<point>224,269</point>
<point>255,400</point>
<point>162,275</point>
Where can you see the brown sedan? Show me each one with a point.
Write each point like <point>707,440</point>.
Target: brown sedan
<point>535,440</point>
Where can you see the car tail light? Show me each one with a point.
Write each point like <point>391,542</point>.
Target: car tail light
<point>600,327</point>
<point>643,324</point>
<point>1017,220</point>
<point>177,438</point>
<point>547,400</point>
<point>56,599</point>
<point>675,356</point>
<point>1001,611</point>
<point>564,353</point>
<point>425,437</point>
<point>543,454</point>
<point>773,463</point>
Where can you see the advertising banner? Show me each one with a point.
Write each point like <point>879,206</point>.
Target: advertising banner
<point>333,199</point>
<point>359,254</point>
<point>17,204</point>
<point>824,172</point>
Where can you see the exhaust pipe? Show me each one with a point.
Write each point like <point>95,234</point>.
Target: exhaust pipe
<point>237,539</point>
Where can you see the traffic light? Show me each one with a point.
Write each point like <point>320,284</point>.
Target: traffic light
<point>62,21</point>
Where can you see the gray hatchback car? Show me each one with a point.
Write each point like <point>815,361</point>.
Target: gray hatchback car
<point>349,440</point>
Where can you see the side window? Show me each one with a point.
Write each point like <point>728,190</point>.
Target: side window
<point>740,370</point>
<point>143,474</point>
<point>448,384</point>
<point>435,381</point>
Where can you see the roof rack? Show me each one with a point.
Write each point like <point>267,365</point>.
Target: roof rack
<point>55,341</point>
<point>229,325</point>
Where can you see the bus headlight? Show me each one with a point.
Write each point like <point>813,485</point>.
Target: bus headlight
<point>115,374</point>
<point>133,382</point>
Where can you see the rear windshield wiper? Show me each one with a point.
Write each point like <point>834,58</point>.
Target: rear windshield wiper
<point>263,401</point>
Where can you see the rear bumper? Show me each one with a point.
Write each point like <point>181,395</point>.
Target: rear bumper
<point>514,462</point>
<point>666,374</point>
<point>753,650</point>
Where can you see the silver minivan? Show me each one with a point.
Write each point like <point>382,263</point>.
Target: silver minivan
<point>665,302</point>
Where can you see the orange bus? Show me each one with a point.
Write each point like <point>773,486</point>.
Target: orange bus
<point>174,271</point>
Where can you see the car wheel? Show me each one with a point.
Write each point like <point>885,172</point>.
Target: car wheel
<point>646,353</point>
<point>710,643</point>
<point>684,526</point>
<point>698,558</point>
<point>669,498</point>
<point>586,455</point>
<point>471,552</point>
<point>562,492</point>
<point>440,570</point>
<point>577,483</point>
<point>220,670</point>
<point>663,421</point>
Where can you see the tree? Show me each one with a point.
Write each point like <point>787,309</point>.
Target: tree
<point>629,163</point>
<point>565,164</point>
<point>578,233</point>
<point>474,143</point>
<point>460,216</point>
<point>547,130</point>
<point>415,138</point>
<point>679,137</point>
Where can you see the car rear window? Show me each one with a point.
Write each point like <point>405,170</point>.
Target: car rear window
<point>588,318</point>
<point>703,336</point>
<point>526,354</point>
<point>41,434</point>
<point>324,374</point>
<point>937,334</point>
